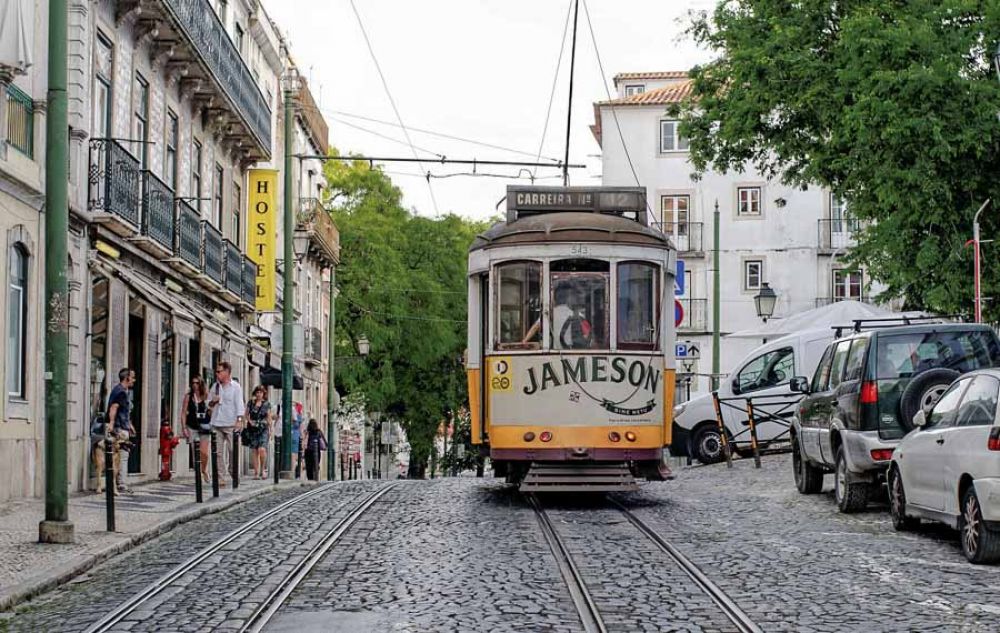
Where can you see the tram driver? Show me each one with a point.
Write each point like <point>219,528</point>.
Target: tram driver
<point>571,325</point>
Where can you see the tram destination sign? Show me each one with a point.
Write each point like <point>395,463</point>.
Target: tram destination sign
<point>522,201</point>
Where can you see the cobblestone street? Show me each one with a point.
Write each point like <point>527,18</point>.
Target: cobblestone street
<point>467,554</point>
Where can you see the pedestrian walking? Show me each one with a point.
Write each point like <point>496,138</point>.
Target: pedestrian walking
<point>119,412</point>
<point>258,417</point>
<point>226,406</point>
<point>196,423</point>
<point>315,445</point>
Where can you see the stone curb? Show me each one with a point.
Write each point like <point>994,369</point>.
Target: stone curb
<point>64,573</point>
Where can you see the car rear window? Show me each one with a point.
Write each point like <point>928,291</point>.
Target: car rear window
<point>904,355</point>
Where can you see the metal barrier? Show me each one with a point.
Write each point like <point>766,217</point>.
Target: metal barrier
<point>779,410</point>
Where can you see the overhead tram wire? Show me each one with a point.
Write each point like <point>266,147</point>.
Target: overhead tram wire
<point>614,113</point>
<point>392,102</point>
<point>388,138</point>
<point>555,82</point>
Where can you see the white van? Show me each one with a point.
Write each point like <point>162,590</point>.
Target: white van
<point>765,371</point>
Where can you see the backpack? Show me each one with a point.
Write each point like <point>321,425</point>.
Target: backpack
<point>579,333</point>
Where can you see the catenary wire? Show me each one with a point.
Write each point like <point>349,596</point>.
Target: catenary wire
<point>392,102</point>
<point>555,82</point>
<point>388,138</point>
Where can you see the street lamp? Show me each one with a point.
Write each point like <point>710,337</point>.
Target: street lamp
<point>363,345</point>
<point>765,300</point>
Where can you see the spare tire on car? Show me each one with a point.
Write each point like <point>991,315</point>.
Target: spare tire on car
<point>923,392</point>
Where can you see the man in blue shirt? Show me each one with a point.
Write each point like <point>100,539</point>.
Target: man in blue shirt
<point>119,414</point>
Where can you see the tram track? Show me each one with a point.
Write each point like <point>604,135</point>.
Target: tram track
<point>120,613</point>
<point>583,600</point>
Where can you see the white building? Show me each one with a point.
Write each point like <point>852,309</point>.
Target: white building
<point>793,239</point>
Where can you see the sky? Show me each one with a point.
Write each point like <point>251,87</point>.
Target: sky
<point>481,70</point>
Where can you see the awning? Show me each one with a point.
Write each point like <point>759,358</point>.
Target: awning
<point>17,34</point>
<point>150,291</point>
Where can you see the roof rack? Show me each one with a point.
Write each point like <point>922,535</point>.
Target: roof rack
<point>859,325</point>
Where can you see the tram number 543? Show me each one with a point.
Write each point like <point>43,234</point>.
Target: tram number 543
<point>500,376</point>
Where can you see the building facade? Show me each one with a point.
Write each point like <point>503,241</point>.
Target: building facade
<point>793,239</point>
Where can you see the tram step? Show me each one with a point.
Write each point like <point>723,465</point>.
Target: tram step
<point>544,477</point>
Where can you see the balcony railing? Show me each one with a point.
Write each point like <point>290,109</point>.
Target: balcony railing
<point>114,180</point>
<point>201,26</point>
<point>695,314</point>
<point>187,241</point>
<point>837,234</point>
<point>212,257</point>
<point>20,121</point>
<point>249,284</point>
<point>686,236</point>
<point>315,221</point>
<point>314,344</point>
<point>157,211</point>
<point>234,268</point>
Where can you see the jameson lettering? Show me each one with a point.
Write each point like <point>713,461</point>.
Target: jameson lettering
<point>593,369</point>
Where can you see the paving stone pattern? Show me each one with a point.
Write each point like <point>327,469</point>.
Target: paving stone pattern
<point>793,563</point>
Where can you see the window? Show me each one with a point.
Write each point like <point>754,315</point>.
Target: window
<point>223,9</point>
<point>17,320</point>
<point>238,31</point>
<point>671,139</point>
<point>579,293</point>
<point>170,163</point>
<point>837,368</point>
<point>822,375</point>
<point>839,220</point>
<point>979,406</point>
<point>519,305</point>
<point>634,89</point>
<point>856,360</point>
<point>943,413</point>
<point>237,208</point>
<point>103,73</point>
<point>196,173</point>
<point>674,212</point>
<point>771,369</point>
<point>218,197</point>
<point>748,201</point>
<point>902,355</point>
<point>848,284</point>
<point>753,274</point>
<point>637,313</point>
<point>141,119</point>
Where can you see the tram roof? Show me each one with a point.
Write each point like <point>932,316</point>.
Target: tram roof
<point>570,226</point>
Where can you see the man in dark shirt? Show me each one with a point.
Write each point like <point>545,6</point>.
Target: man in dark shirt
<point>119,414</point>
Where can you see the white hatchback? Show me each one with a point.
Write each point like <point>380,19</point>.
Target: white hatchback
<point>948,468</point>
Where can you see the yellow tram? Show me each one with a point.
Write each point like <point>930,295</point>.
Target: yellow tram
<point>571,336</point>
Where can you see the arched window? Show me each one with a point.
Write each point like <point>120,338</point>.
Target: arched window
<point>17,320</point>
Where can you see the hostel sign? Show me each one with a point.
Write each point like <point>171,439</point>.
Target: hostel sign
<point>262,241</point>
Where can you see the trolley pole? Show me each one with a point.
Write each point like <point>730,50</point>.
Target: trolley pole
<point>56,528</point>
<point>288,299</point>
<point>331,384</point>
<point>569,109</point>
<point>716,299</point>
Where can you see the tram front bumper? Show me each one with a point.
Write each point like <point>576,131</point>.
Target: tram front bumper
<point>560,454</point>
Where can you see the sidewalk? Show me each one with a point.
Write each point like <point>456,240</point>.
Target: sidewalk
<point>28,567</point>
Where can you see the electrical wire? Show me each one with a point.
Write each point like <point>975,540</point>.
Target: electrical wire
<point>555,82</point>
<point>388,138</point>
<point>614,112</point>
<point>400,317</point>
<point>392,102</point>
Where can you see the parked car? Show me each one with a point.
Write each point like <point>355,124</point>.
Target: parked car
<point>948,468</point>
<point>864,395</point>
<point>766,371</point>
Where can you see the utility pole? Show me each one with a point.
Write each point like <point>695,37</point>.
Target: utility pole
<point>332,397</point>
<point>288,301</point>
<point>716,307</point>
<point>977,262</point>
<point>56,528</point>
<point>569,109</point>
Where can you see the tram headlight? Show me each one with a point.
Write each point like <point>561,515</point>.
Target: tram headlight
<point>614,436</point>
<point>546,436</point>
<point>529,436</point>
<point>630,436</point>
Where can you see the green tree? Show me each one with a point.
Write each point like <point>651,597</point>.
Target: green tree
<point>402,285</point>
<point>891,105</point>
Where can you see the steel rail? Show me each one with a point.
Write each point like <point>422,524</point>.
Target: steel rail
<point>117,615</point>
<point>729,608</point>
<point>590,617</point>
<point>269,607</point>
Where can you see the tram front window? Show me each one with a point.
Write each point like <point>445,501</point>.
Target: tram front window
<point>637,305</point>
<point>580,316</point>
<point>519,302</point>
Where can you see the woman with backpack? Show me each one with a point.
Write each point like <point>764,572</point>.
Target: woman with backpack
<point>315,445</point>
<point>196,421</point>
<point>258,417</point>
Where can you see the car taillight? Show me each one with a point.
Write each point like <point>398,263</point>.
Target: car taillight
<point>994,442</point>
<point>869,392</point>
<point>882,454</point>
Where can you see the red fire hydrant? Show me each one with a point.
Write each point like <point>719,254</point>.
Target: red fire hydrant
<point>167,445</point>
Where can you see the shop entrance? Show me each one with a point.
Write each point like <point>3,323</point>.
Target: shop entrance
<point>136,358</point>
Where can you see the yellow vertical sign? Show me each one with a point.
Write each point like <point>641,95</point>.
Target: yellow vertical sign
<point>262,241</point>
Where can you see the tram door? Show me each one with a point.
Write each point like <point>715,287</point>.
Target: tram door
<point>485,312</point>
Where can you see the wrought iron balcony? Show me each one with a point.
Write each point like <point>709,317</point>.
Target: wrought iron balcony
<point>157,211</point>
<point>114,183</point>
<point>187,240</point>
<point>838,234</point>
<point>212,253</point>
<point>314,222</point>
<point>695,314</point>
<point>234,268</point>
<point>686,236</point>
<point>249,285</point>
<point>314,344</point>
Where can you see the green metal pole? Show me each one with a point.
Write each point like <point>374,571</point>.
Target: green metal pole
<point>288,302</point>
<point>56,528</point>
<point>331,388</point>
<point>716,303</point>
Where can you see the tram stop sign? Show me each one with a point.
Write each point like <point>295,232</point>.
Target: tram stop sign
<point>678,313</point>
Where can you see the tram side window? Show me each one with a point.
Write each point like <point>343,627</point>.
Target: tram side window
<point>519,304</point>
<point>580,314</point>
<point>637,309</point>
